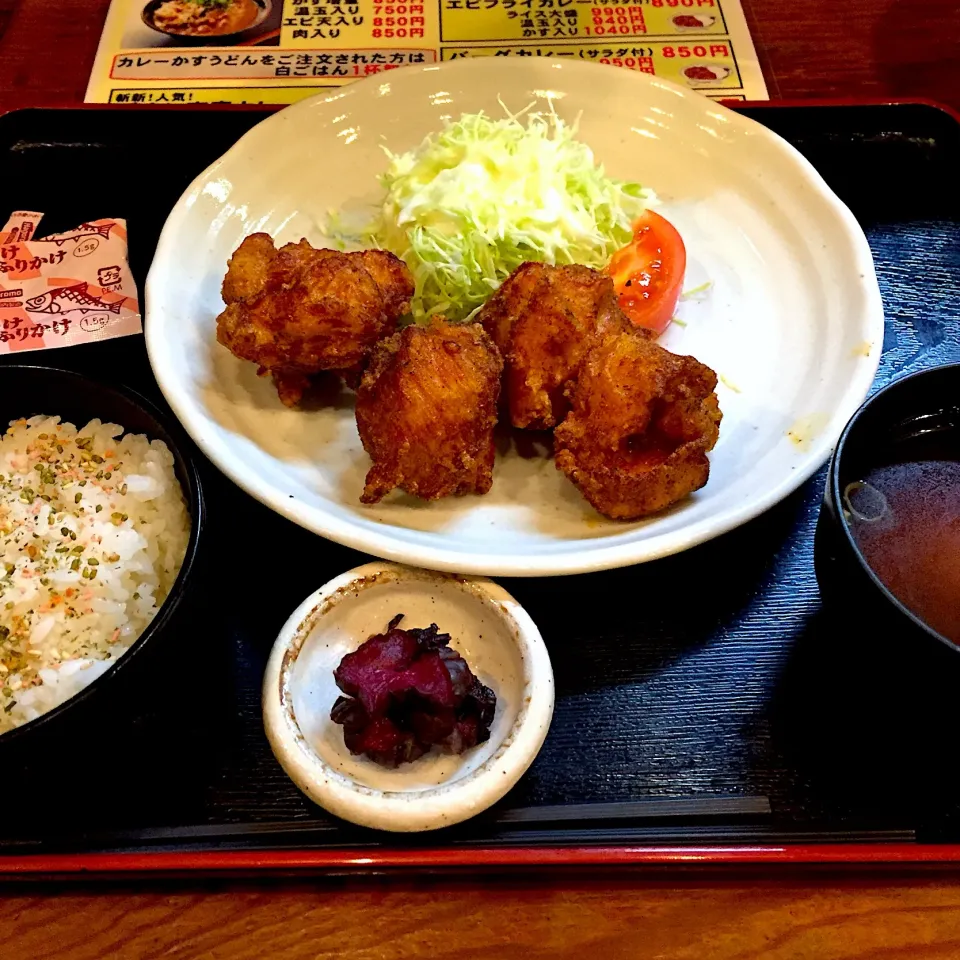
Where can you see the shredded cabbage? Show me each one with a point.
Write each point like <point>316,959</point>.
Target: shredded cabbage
<point>481,197</point>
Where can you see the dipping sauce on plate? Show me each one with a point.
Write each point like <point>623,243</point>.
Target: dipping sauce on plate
<point>905,518</point>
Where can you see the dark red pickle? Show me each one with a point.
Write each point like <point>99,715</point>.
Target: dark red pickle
<point>407,691</point>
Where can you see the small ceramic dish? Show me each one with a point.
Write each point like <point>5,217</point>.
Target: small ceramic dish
<point>489,629</point>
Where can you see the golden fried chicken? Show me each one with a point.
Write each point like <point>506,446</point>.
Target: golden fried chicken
<point>298,311</point>
<point>426,410</point>
<point>247,268</point>
<point>641,423</point>
<point>543,319</point>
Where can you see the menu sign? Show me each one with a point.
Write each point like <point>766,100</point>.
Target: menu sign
<point>279,51</point>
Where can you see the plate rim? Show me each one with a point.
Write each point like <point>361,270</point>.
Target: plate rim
<point>593,558</point>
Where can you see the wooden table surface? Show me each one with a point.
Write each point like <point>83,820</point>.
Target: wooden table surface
<point>817,48</point>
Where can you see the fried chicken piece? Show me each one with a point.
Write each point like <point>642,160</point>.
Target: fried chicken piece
<point>247,268</point>
<point>642,421</point>
<point>543,319</point>
<point>298,311</point>
<point>426,410</point>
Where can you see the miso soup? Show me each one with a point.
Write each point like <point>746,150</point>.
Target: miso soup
<point>905,518</point>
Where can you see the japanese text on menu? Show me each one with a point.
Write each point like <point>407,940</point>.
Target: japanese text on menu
<point>257,51</point>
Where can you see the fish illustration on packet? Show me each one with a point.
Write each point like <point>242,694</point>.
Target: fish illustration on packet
<point>65,288</point>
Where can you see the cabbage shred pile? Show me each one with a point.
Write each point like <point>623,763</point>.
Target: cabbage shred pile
<point>483,196</point>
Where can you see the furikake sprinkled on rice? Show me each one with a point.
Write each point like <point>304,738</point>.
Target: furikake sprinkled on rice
<point>87,555</point>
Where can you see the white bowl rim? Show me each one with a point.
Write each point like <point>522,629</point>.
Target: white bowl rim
<point>435,807</point>
<point>593,558</point>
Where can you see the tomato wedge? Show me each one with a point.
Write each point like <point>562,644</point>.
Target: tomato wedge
<point>648,272</point>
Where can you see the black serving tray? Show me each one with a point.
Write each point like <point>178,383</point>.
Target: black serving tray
<point>705,701</point>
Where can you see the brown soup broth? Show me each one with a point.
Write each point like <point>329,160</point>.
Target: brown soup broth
<point>905,518</point>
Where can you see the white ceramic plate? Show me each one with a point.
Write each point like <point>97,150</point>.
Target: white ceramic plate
<point>793,321</point>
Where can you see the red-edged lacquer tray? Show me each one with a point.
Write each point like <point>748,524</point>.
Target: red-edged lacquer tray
<point>752,727</point>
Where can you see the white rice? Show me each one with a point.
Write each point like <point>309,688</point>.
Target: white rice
<point>93,530</point>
